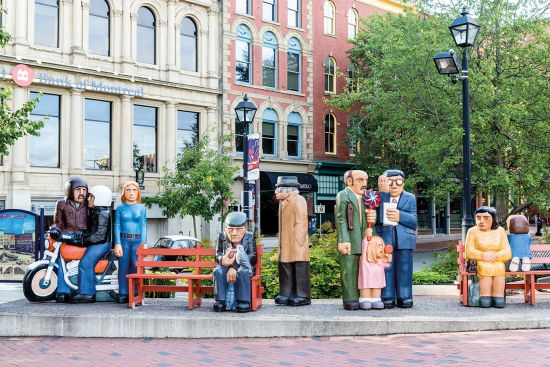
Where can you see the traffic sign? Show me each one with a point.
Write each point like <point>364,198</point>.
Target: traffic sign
<point>319,209</point>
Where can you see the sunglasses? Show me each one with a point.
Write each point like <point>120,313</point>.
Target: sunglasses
<point>398,182</point>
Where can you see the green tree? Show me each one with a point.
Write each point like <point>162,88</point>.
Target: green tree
<point>406,115</point>
<point>200,185</point>
<point>14,124</point>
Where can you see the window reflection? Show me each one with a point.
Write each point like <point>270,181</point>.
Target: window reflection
<point>188,45</point>
<point>46,22</point>
<point>45,148</point>
<point>146,50</point>
<point>99,27</point>
<point>145,138</point>
<point>188,129</point>
<point>97,135</point>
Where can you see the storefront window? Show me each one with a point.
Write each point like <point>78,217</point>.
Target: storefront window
<point>44,150</point>
<point>97,135</point>
<point>145,138</point>
<point>188,129</point>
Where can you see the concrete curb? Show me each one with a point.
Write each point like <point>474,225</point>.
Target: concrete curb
<point>169,318</point>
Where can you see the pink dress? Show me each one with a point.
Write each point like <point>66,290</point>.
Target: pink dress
<point>371,275</point>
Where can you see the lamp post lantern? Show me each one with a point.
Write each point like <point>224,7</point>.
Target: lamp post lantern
<point>245,112</point>
<point>464,31</point>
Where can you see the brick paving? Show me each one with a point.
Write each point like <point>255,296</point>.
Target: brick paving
<point>493,348</point>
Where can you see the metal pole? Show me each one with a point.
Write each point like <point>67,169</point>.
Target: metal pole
<point>467,220</point>
<point>246,202</point>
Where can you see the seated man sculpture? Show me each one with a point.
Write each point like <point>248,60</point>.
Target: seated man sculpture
<point>228,269</point>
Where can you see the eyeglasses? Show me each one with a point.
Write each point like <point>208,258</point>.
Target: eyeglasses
<point>398,182</point>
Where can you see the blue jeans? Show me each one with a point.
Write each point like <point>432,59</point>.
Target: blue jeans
<point>127,263</point>
<point>86,267</point>
<point>399,277</point>
<point>243,292</point>
<point>62,287</point>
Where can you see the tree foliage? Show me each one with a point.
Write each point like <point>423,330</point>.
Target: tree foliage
<point>200,185</point>
<point>408,116</point>
<point>14,124</point>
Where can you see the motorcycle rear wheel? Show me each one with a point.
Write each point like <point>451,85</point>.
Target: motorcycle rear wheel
<point>34,288</point>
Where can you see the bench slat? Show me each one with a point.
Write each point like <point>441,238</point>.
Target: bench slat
<point>175,264</point>
<point>170,276</point>
<point>177,252</point>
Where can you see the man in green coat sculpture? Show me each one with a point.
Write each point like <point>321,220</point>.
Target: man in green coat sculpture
<point>352,218</point>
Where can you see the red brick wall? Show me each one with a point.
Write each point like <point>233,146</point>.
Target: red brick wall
<point>335,46</point>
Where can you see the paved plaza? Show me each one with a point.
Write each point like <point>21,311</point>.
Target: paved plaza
<point>494,348</point>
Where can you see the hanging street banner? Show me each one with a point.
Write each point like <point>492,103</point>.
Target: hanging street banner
<point>254,157</point>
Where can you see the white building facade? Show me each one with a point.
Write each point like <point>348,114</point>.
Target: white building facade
<point>123,83</point>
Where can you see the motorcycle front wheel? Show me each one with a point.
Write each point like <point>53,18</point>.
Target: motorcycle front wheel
<point>34,288</point>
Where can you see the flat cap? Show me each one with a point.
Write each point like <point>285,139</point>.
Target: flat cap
<point>287,181</point>
<point>235,219</point>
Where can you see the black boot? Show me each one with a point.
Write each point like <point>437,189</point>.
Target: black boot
<point>84,298</point>
<point>121,298</point>
<point>404,303</point>
<point>351,305</point>
<point>281,300</point>
<point>389,304</point>
<point>498,302</point>
<point>243,307</point>
<point>299,301</point>
<point>219,306</point>
<point>485,301</point>
<point>62,298</point>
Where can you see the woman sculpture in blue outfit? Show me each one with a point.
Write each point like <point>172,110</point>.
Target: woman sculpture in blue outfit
<point>130,231</point>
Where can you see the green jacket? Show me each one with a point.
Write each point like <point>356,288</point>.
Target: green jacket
<point>355,235</point>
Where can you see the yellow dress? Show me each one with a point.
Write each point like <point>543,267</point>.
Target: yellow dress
<point>478,242</point>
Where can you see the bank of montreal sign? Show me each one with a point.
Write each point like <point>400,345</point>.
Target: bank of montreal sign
<point>23,76</point>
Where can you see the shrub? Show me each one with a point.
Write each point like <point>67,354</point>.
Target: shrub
<point>430,277</point>
<point>324,266</point>
<point>156,294</point>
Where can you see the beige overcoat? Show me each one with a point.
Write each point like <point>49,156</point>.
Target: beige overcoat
<point>293,226</point>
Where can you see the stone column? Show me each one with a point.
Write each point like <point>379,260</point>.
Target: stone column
<point>20,36</point>
<point>86,26</point>
<point>76,126</point>
<point>171,135</point>
<point>213,44</point>
<point>76,33</point>
<point>212,127</point>
<point>126,32</point>
<point>171,36</point>
<point>126,143</point>
<point>117,35</point>
<point>19,148</point>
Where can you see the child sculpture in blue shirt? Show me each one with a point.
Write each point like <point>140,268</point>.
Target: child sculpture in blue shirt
<point>130,232</point>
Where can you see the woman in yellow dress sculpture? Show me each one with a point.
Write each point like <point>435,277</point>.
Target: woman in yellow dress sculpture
<point>487,243</point>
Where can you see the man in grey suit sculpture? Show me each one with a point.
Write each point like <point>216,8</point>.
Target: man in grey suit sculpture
<point>396,224</point>
<point>228,269</point>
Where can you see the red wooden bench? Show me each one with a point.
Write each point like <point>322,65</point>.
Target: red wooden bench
<point>540,256</point>
<point>193,260</point>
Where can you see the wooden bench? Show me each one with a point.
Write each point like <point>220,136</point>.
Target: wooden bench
<point>193,259</point>
<point>540,265</point>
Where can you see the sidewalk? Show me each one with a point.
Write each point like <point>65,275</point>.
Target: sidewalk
<point>170,318</point>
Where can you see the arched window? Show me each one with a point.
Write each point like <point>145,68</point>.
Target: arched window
<point>146,35</point>
<point>269,60</point>
<point>46,22</point>
<point>352,23</point>
<point>269,132</point>
<point>293,134</point>
<point>329,12</point>
<point>330,70</point>
<point>243,55</point>
<point>188,45</point>
<point>294,65</point>
<point>99,28</point>
<point>330,134</point>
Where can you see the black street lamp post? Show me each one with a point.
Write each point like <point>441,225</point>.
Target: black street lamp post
<point>464,31</point>
<point>245,112</point>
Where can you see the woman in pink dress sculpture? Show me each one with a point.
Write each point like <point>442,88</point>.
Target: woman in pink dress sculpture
<point>374,259</point>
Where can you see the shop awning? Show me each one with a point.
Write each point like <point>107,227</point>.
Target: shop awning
<point>268,180</point>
